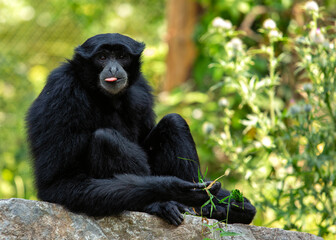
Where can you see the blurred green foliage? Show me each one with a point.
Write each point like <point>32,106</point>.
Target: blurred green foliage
<point>249,15</point>
<point>35,37</point>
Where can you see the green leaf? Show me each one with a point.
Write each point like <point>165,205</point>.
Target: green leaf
<point>222,234</point>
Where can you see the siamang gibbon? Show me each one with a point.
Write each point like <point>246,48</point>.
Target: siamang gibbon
<point>97,150</point>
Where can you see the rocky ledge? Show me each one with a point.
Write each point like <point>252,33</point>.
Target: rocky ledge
<point>26,219</point>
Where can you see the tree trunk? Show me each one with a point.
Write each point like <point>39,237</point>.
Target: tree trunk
<point>182,17</point>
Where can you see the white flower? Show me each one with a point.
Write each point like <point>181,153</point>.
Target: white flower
<point>308,58</point>
<point>235,44</point>
<point>219,22</point>
<point>239,150</point>
<point>223,136</point>
<point>311,6</point>
<point>197,113</point>
<point>316,36</point>
<point>266,141</point>
<point>257,144</point>
<point>269,24</point>
<point>274,34</point>
<point>223,102</point>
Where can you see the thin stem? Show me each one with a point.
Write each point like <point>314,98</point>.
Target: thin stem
<point>327,99</point>
<point>273,79</point>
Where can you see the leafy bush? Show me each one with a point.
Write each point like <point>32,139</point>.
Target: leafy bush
<point>285,149</point>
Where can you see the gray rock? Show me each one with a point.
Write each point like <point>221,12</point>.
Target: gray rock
<point>25,219</point>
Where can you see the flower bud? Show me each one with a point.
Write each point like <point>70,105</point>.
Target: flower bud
<point>307,108</point>
<point>208,128</point>
<point>300,39</point>
<point>294,110</point>
<point>307,87</point>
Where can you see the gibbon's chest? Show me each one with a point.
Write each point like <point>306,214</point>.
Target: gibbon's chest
<point>125,122</point>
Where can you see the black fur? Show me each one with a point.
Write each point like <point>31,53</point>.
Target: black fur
<point>101,153</point>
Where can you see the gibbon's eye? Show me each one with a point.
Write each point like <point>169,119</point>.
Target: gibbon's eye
<point>102,57</point>
<point>121,55</point>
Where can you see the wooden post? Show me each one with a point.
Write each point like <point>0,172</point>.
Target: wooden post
<point>182,17</point>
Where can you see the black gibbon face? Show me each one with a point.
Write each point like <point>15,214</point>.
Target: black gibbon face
<point>108,62</point>
<point>113,64</point>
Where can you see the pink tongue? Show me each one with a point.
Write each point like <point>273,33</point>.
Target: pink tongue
<point>112,79</point>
